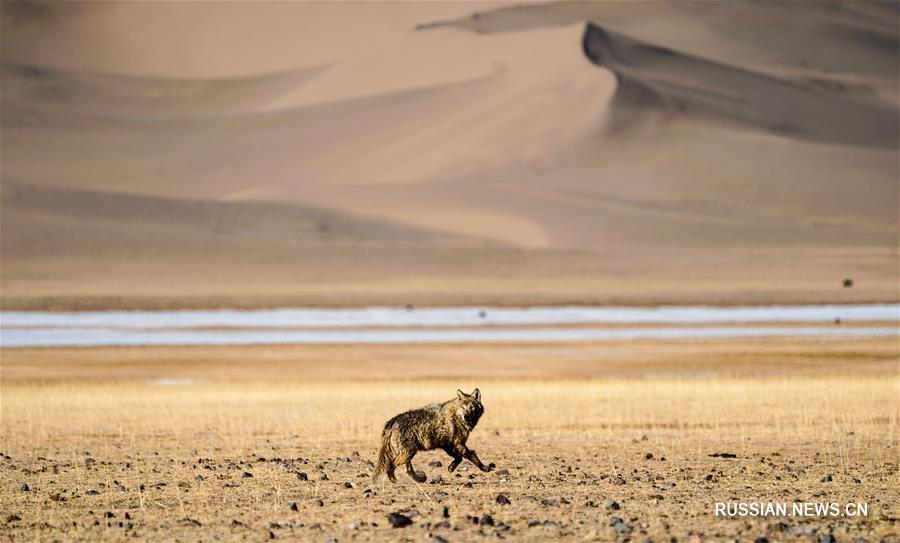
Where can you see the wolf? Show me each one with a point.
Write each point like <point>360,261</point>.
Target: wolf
<point>436,426</point>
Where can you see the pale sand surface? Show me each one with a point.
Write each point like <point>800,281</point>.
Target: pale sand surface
<point>575,152</point>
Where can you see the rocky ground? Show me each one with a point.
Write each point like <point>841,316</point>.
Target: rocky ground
<point>598,459</point>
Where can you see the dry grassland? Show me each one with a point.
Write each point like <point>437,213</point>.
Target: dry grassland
<point>120,458</point>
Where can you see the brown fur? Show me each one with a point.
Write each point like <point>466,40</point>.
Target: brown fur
<point>443,426</point>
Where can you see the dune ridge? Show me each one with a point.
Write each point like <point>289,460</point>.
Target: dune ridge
<point>653,77</point>
<point>541,153</point>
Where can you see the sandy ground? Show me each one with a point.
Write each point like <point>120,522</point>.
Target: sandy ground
<point>357,153</point>
<point>210,443</point>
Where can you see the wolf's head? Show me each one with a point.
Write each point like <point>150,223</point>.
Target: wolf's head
<point>469,407</point>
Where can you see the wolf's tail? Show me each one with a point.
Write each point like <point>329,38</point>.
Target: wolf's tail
<point>384,457</point>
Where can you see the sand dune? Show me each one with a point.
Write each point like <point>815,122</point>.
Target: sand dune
<point>687,150</point>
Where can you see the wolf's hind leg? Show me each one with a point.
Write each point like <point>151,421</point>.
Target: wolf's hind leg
<point>390,472</point>
<point>406,460</point>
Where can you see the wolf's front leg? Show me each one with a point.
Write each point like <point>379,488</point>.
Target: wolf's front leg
<point>457,457</point>
<point>470,455</point>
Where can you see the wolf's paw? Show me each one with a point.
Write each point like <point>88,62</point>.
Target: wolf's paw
<point>490,467</point>
<point>420,477</point>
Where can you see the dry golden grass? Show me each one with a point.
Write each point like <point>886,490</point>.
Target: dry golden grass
<point>578,443</point>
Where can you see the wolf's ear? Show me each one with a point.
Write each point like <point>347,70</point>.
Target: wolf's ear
<point>477,394</point>
<point>460,394</point>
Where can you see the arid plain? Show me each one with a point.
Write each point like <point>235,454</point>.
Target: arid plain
<point>161,155</point>
<point>250,443</point>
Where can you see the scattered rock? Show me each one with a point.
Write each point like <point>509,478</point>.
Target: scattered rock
<point>618,480</point>
<point>436,480</point>
<point>446,512</point>
<point>827,538</point>
<point>827,479</point>
<point>348,485</point>
<point>247,475</point>
<point>302,476</point>
<point>399,520</point>
<point>92,492</point>
<point>292,506</point>
<point>848,283</point>
<point>550,502</point>
<point>613,506</point>
<point>24,488</point>
<point>761,540</point>
<point>723,455</point>
<point>503,472</point>
<point>487,520</point>
<point>532,523</point>
<point>435,464</point>
<point>13,518</point>
<point>648,456</point>
<point>109,514</point>
<point>502,500</point>
<point>319,503</point>
<point>618,525</point>
<point>434,538</point>
<point>188,521</point>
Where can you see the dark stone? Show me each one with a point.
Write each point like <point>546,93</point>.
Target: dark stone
<point>319,503</point>
<point>435,464</point>
<point>827,479</point>
<point>613,505</point>
<point>302,476</point>
<point>619,526</point>
<point>13,518</point>
<point>192,522</point>
<point>292,506</point>
<point>399,520</point>
<point>348,485</point>
<point>24,488</point>
<point>92,492</point>
<point>487,520</point>
<point>502,500</point>
<point>723,455</point>
<point>246,475</point>
<point>827,538</point>
<point>446,512</point>
<point>648,456</point>
<point>109,514</point>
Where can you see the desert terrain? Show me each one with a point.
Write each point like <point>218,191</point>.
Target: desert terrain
<point>446,153</point>
<point>235,155</point>
<point>253,443</point>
